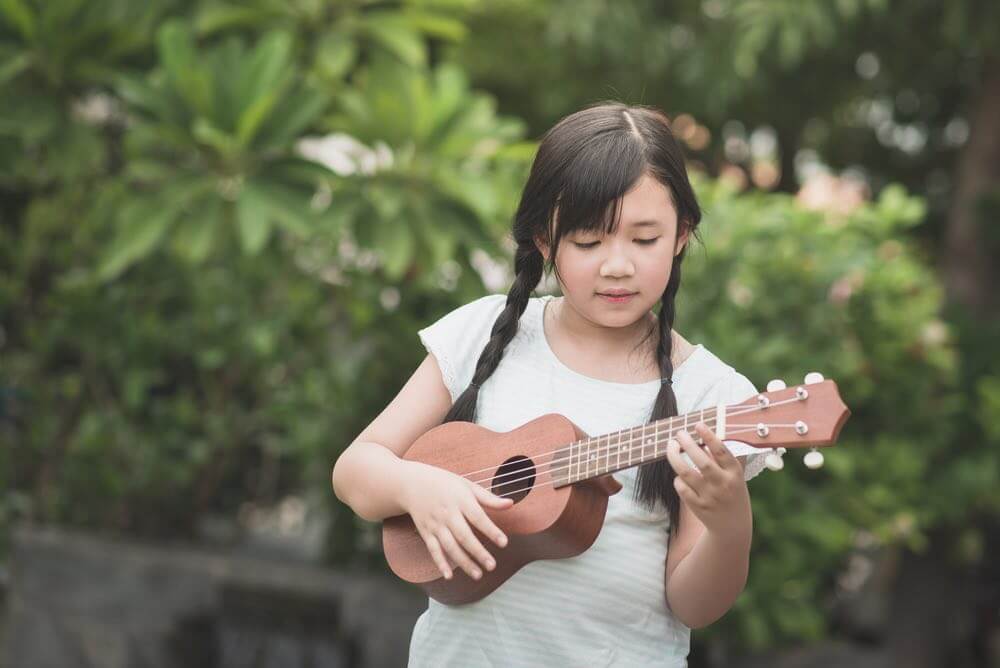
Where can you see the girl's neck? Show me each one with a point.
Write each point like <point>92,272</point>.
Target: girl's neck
<point>615,345</point>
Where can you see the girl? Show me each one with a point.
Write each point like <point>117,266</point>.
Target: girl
<point>673,553</point>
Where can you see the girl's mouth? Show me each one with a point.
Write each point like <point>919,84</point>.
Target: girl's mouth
<point>616,299</point>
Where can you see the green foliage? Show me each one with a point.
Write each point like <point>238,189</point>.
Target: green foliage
<point>192,314</point>
<point>780,291</point>
<point>211,145</point>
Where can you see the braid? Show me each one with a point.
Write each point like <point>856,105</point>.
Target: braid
<point>528,268</point>
<point>655,481</point>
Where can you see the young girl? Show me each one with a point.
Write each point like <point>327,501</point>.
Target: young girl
<point>608,207</point>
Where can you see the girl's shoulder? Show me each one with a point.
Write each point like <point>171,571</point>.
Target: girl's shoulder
<point>456,338</point>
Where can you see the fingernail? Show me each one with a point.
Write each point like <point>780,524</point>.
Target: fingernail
<point>490,564</point>
<point>477,574</point>
<point>447,575</point>
<point>503,541</point>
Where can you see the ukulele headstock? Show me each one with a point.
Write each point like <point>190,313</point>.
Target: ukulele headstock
<point>809,415</point>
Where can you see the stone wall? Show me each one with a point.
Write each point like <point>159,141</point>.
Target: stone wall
<point>76,600</point>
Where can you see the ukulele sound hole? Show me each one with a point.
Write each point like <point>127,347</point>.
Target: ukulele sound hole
<point>514,478</point>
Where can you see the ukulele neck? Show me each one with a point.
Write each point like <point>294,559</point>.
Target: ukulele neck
<point>600,455</point>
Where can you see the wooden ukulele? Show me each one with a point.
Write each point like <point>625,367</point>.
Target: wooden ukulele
<point>559,477</point>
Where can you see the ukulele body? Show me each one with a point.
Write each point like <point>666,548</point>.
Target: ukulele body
<point>543,523</point>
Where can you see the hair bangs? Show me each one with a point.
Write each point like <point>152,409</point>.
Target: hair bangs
<point>595,183</point>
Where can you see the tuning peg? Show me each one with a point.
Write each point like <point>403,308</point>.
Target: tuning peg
<point>814,377</point>
<point>773,460</point>
<point>813,459</point>
<point>775,385</point>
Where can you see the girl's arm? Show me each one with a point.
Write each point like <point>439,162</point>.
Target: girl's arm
<point>376,483</point>
<point>371,478</point>
<point>369,475</point>
<point>707,570</point>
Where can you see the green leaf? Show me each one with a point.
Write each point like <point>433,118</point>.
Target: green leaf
<point>13,67</point>
<point>216,18</point>
<point>394,240</point>
<point>336,53</point>
<point>19,15</point>
<point>141,225</point>
<point>293,116</point>
<point>286,206</point>
<point>251,119</point>
<point>197,230</point>
<point>253,218</point>
<point>269,64</point>
<point>184,68</point>
<point>394,33</point>
<point>211,136</point>
<point>436,25</point>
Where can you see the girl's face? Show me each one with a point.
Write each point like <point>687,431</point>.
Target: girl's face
<point>637,258</point>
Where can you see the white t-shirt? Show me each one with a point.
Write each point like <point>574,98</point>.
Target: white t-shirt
<point>605,606</point>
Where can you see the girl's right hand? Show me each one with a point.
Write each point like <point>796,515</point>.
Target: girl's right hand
<point>442,504</point>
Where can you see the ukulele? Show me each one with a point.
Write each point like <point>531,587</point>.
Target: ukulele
<point>560,478</point>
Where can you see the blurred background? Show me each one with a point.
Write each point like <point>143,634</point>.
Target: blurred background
<point>222,223</point>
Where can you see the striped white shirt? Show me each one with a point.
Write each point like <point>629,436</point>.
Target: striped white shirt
<point>606,606</point>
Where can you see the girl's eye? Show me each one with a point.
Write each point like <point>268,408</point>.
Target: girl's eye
<point>643,242</point>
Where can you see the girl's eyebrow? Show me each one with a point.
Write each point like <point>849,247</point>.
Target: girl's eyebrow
<point>645,223</point>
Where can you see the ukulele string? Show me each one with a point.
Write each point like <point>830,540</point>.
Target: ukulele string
<point>609,446</point>
<point>553,482</point>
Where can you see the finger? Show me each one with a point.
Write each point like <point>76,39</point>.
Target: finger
<point>698,456</point>
<point>482,521</point>
<point>687,494</point>
<point>680,466</point>
<point>715,446</point>
<point>471,543</point>
<point>457,554</point>
<point>490,499</point>
<point>434,547</point>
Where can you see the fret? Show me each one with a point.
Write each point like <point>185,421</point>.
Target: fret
<point>618,459</point>
<point>642,444</point>
<point>575,462</point>
<point>590,458</point>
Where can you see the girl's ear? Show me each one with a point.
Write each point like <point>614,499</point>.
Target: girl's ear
<point>681,241</point>
<point>542,247</point>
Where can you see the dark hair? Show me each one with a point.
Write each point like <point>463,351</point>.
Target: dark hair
<point>585,164</point>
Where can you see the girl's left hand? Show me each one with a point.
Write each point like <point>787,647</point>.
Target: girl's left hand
<point>716,493</point>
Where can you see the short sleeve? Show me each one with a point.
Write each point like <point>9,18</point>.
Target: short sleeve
<point>457,339</point>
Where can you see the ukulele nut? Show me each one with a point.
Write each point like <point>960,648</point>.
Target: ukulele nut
<point>763,401</point>
<point>762,429</point>
<point>801,392</point>
<point>801,427</point>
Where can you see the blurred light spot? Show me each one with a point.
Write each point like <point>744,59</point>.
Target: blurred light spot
<point>699,138</point>
<point>344,154</point>
<point>807,164</point>
<point>496,276</point>
<point>763,142</point>
<point>389,297</point>
<point>713,9</point>
<point>739,293</point>
<point>956,132</point>
<point>867,65</point>
<point>765,174</point>
<point>681,37</point>
<point>683,126</point>
<point>733,176</point>
<point>737,149</point>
